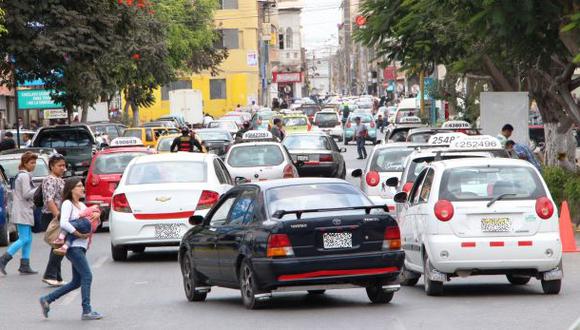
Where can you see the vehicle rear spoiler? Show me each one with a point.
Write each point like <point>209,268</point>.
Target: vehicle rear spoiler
<point>281,213</point>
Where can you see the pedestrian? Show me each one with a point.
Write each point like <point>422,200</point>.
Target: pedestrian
<point>22,214</point>
<point>238,108</point>
<point>360,134</point>
<point>33,125</point>
<point>240,133</point>
<point>82,276</point>
<point>185,142</point>
<point>277,130</point>
<point>254,107</point>
<point>27,139</point>
<point>52,189</point>
<point>523,152</point>
<point>506,133</point>
<point>345,113</point>
<point>381,123</point>
<point>275,104</point>
<point>8,142</point>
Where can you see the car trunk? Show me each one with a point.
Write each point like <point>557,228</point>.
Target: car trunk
<point>103,184</point>
<point>218,147</point>
<point>156,201</point>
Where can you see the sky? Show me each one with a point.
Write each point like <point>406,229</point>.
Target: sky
<point>319,23</point>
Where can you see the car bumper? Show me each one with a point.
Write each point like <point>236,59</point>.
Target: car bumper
<point>524,252</point>
<point>360,269</point>
<point>318,170</point>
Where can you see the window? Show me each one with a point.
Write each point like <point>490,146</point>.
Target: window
<point>307,142</point>
<point>167,172</point>
<point>242,210</point>
<point>148,134</point>
<point>426,187</point>
<point>175,85</point>
<point>221,214</point>
<point>227,174</point>
<point>289,38</point>
<point>114,163</point>
<point>228,4</point>
<point>414,193</point>
<point>217,89</point>
<point>228,38</point>
<point>390,159</point>
<point>258,155</point>
<point>281,41</point>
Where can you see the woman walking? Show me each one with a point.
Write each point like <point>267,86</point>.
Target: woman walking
<point>22,214</point>
<point>76,253</point>
<point>52,188</point>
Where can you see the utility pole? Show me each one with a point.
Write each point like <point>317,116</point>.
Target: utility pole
<point>347,43</point>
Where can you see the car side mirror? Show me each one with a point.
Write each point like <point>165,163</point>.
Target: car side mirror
<point>299,163</point>
<point>356,173</point>
<point>392,182</point>
<point>343,149</point>
<point>400,197</point>
<point>196,220</point>
<point>240,180</point>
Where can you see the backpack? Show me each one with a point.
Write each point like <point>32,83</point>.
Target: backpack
<point>38,198</point>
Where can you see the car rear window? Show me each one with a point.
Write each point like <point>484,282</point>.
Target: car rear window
<point>11,167</point>
<point>295,121</point>
<point>325,118</point>
<point>64,139</point>
<point>390,159</point>
<point>418,164</point>
<point>255,155</point>
<point>420,137</point>
<point>488,182</point>
<point>299,197</point>
<point>306,142</point>
<point>133,133</point>
<point>167,172</point>
<point>212,136</point>
<point>114,163</point>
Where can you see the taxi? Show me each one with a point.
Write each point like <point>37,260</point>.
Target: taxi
<point>365,118</point>
<point>296,123</point>
<point>465,217</point>
<point>257,158</point>
<point>398,132</point>
<point>106,169</point>
<point>149,135</point>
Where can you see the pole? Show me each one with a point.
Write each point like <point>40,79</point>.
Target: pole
<point>422,92</point>
<point>16,106</point>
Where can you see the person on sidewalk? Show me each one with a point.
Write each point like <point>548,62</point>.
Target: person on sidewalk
<point>22,214</point>
<point>52,187</point>
<point>523,152</point>
<point>360,134</point>
<point>82,278</point>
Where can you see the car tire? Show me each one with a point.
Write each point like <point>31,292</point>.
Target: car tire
<point>551,287</point>
<point>377,295</point>
<point>138,249</point>
<point>518,279</point>
<point>190,279</point>
<point>316,292</point>
<point>4,235</point>
<point>248,288</point>
<point>119,253</point>
<point>408,278</point>
<point>432,288</point>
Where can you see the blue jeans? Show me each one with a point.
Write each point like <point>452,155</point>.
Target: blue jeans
<point>24,241</point>
<point>360,147</point>
<point>82,277</point>
<point>82,225</point>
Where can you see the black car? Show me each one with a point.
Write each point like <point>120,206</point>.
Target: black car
<point>319,153</point>
<point>216,141</point>
<point>292,235</point>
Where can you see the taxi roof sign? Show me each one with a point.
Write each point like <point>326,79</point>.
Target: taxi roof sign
<point>456,124</point>
<point>126,142</point>
<point>257,135</point>
<point>445,138</point>
<point>410,120</point>
<point>476,142</point>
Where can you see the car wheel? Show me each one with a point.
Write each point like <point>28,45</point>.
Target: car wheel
<point>316,291</point>
<point>248,286</point>
<point>551,287</point>
<point>138,249</point>
<point>408,278</point>
<point>518,279</point>
<point>377,295</point>
<point>432,288</point>
<point>4,236</point>
<point>119,252</point>
<point>190,279</point>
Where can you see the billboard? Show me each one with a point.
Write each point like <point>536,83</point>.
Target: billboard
<point>500,108</point>
<point>36,99</point>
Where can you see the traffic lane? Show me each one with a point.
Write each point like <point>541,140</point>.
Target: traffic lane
<point>147,292</point>
<point>351,161</point>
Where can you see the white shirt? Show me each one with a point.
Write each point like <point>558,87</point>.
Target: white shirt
<point>68,212</point>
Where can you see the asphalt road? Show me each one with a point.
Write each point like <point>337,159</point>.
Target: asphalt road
<point>146,292</point>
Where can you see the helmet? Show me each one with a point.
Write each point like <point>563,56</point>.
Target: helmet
<point>184,130</point>
<point>246,124</point>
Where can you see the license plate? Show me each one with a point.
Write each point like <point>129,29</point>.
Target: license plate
<point>168,231</point>
<point>337,240</point>
<point>302,158</point>
<point>494,225</point>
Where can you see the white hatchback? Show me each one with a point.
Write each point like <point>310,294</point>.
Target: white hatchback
<point>328,122</point>
<point>259,161</point>
<point>491,216</point>
<point>156,196</point>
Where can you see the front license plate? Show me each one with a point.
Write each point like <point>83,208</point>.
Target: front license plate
<point>337,240</point>
<point>494,225</point>
<point>168,231</point>
<point>302,157</point>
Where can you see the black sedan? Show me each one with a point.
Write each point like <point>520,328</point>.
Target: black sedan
<point>273,236</point>
<point>216,140</point>
<point>319,153</point>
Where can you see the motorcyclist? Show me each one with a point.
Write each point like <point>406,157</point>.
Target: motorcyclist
<point>186,142</point>
<point>244,129</point>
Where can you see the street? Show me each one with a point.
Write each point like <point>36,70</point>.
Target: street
<point>146,292</point>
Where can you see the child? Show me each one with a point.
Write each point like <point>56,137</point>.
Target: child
<point>83,224</point>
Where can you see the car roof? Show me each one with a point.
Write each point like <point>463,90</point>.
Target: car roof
<point>124,149</point>
<point>175,156</point>
<point>427,152</point>
<point>463,162</point>
<point>265,185</point>
<point>294,115</point>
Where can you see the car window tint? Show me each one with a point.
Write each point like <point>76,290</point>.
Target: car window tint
<point>389,159</point>
<point>64,139</point>
<point>414,193</point>
<point>133,133</point>
<point>306,142</point>
<point>11,167</point>
<point>241,208</point>
<point>164,144</point>
<point>257,155</point>
<point>220,216</point>
<point>114,163</point>
<point>148,134</point>
<point>219,172</point>
<point>295,121</point>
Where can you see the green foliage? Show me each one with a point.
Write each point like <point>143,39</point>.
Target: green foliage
<point>564,186</point>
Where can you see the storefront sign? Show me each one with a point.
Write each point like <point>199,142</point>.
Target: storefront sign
<point>252,58</point>
<point>36,99</point>
<point>287,77</point>
<point>55,114</point>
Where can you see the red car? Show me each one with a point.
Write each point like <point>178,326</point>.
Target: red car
<point>104,175</point>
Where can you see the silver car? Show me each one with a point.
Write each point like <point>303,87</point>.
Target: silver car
<point>259,161</point>
<point>317,153</point>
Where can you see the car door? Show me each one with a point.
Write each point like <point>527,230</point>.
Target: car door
<point>408,224</point>
<point>205,247</point>
<point>231,235</point>
<point>337,155</point>
<point>422,211</point>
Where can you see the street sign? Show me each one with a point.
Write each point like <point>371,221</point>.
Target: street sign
<point>36,99</point>
<point>55,114</point>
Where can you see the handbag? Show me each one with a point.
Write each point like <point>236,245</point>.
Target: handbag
<point>52,231</point>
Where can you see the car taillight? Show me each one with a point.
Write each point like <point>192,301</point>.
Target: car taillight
<point>392,240</point>
<point>544,207</point>
<point>325,158</point>
<point>444,210</point>
<point>407,187</point>
<point>207,200</point>
<point>279,246</point>
<point>373,178</point>
<point>95,181</point>
<point>288,172</point>
<point>121,204</point>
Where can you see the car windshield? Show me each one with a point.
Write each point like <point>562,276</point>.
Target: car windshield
<point>299,197</point>
<point>295,121</point>
<point>11,167</point>
<point>114,163</point>
<point>325,118</point>
<point>167,172</point>
<point>390,159</point>
<point>133,133</point>
<point>418,164</point>
<point>488,182</point>
<point>212,136</point>
<point>165,144</point>
<point>293,142</point>
<point>255,155</point>
<point>65,139</point>
<point>405,113</point>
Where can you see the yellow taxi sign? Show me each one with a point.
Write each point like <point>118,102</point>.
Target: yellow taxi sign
<point>126,142</point>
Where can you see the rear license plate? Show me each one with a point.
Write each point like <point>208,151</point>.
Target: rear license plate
<point>493,225</point>
<point>302,157</point>
<point>168,231</point>
<point>337,240</point>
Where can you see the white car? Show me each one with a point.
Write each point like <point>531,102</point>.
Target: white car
<point>466,217</point>
<point>328,121</point>
<point>259,161</point>
<point>156,196</point>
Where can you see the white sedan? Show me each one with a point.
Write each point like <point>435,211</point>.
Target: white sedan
<point>259,161</point>
<point>479,216</point>
<point>156,196</point>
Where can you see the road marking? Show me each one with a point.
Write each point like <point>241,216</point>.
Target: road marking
<point>100,262</point>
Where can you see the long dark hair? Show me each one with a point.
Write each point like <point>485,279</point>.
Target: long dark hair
<point>69,185</point>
